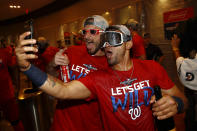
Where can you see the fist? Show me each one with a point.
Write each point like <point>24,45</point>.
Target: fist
<point>22,49</point>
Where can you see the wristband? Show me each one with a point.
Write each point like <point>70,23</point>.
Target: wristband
<point>37,76</point>
<point>180,104</point>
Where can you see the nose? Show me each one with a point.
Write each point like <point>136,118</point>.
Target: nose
<point>87,35</point>
<point>106,44</point>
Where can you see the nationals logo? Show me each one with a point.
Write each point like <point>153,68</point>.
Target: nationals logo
<point>135,113</point>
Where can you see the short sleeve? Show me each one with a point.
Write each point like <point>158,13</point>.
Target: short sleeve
<point>89,82</point>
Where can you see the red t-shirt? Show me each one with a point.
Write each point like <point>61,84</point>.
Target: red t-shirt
<point>127,107</point>
<point>138,46</point>
<point>79,115</point>
<point>6,87</point>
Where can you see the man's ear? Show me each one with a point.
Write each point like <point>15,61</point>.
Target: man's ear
<point>129,44</point>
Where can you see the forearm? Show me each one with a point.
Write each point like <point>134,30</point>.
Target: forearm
<point>178,93</point>
<point>71,90</point>
<point>176,52</point>
<point>45,82</point>
<point>55,87</point>
<point>184,100</point>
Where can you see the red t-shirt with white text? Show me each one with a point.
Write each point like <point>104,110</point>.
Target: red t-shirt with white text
<point>124,97</point>
<point>79,115</point>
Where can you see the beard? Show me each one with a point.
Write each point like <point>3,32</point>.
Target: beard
<point>112,62</point>
<point>93,51</point>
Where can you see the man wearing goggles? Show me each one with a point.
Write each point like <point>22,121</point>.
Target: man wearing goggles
<point>124,90</point>
<point>114,38</point>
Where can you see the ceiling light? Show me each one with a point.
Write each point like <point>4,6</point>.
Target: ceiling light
<point>15,6</point>
<point>163,0</point>
<point>107,13</point>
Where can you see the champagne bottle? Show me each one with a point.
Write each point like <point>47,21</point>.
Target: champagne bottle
<point>166,124</point>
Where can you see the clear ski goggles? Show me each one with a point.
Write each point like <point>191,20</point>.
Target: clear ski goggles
<point>112,38</point>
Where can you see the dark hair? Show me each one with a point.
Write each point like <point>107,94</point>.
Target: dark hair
<point>112,28</point>
<point>187,32</point>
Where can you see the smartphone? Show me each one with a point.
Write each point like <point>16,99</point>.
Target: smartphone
<point>29,27</point>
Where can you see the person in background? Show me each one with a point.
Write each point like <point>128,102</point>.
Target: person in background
<point>13,70</point>
<point>78,39</point>
<point>60,44</point>
<point>138,50</point>
<point>8,104</point>
<point>45,53</point>
<point>153,52</point>
<point>3,43</point>
<point>124,89</point>
<point>81,115</point>
<point>185,50</point>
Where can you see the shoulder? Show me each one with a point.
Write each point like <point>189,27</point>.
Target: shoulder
<point>145,62</point>
<point>187,61</point>
<point>96,77</point>
<point>147,65</point>
<point>137,37</point>
<point>76,48</point>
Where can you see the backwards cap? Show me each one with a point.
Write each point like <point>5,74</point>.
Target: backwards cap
<point>123,29</point>
<point>98,21</point>
<point>126,32</point>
